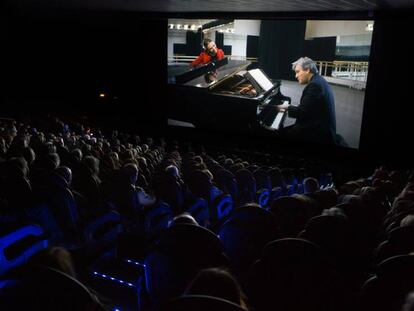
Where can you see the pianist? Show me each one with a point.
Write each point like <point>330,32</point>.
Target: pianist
<point>315,115</point>
<point>210,53</point>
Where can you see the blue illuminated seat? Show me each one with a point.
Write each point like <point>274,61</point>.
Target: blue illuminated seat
<point>157,218</point>
<point>169,190</point>
<point>200,211</point>
<point>177,257</point>
<point>102,232</point>
<point>18,244</point>
<point>246,232</point>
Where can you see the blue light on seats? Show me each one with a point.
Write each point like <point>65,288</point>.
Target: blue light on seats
<point>135,263</point>
<point>113,279</point>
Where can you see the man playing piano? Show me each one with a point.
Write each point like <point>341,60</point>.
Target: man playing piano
<point>209,54</point>
<point>315,115</point>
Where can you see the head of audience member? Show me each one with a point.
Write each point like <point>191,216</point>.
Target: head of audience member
<point>58,258</point>
<point>17,168</point>
<point>66,173</point>
<point>217,282</point>
<point>409,302</point>
<point>29,155</point>
<point>3,148</point>
<point>310,185</point>
<point>130,170</point>
<point>335,211</point>
<point>209,174</point>
<point>407,221</point>
<point>77,154</point>
<point>93,164</point>
<point>183,218</point>
<point>277,178</point>
<point>173,171</point>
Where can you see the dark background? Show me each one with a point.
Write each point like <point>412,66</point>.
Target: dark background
<point>58,61</point>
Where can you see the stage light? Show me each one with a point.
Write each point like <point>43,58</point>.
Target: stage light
<point>102,95</point>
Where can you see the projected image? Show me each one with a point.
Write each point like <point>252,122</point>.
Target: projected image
<point>298,79</point>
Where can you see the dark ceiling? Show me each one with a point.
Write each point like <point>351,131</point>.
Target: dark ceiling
<point>235,6</point>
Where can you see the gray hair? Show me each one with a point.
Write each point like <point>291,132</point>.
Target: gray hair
<point>306,63</point>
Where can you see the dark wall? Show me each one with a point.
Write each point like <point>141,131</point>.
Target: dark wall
<point>387,127</point>
<point>280,42</point>
<point>321,49</point>
<point>62,60</point>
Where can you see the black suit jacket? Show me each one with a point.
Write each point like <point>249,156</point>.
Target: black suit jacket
<point>315,115</point>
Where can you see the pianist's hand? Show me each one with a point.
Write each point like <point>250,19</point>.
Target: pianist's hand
<point>282,107</point>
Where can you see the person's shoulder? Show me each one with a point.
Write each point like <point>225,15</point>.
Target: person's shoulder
<point>318,79</point>
<point>314,84</point>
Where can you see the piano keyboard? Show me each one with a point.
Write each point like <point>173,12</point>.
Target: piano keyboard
<point>278,120</point>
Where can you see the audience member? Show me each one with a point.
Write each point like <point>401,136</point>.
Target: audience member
<point>217,282</point>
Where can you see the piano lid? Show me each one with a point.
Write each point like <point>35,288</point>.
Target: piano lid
<point>206,75</point>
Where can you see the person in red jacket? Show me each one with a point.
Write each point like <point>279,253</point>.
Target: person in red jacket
<point>210,53</point>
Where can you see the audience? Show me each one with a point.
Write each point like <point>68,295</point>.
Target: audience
<point>60,172</point>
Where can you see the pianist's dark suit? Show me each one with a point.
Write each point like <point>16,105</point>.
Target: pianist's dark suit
<point>315,115</point>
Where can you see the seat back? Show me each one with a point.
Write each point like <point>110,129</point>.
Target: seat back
<point>247,186</point>
<point>292,275</point>
<point>178,256</point>
<point>388,289</point>
<point>200,184</point>
<point>18,244</point>
<point>226,181</point>
<point>157,218</point>
<point>201,303</point>
<point>200,211</point>
<point>263,180</point>
<point>170,191</point>
<point>102,232</point>
<point>263,196</point>
<point>245,234</point>
<point>44,288</point>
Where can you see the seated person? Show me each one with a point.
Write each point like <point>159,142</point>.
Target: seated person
<point>217,282</point>
<point>315,115</point>
<point>209,54</point>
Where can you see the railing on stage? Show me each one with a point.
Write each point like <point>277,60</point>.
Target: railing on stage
<point>189,59</point>
<point>348,73</point>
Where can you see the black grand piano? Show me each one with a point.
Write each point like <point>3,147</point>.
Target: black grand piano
<point>227,94</point>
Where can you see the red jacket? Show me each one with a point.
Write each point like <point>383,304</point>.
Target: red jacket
<point>205,58</point>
